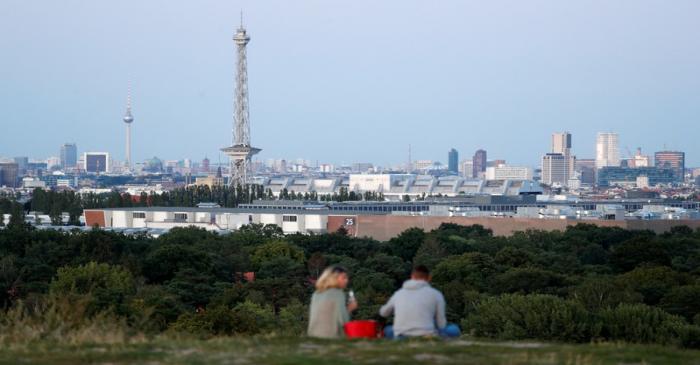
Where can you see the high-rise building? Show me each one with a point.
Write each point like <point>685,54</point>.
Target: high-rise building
<point>453,161</point>
<point>674,160</point>
<point>9,174</point>
<point>479,163</point>
<point>205,164</point>
<point>467,168</point>
<point>128,119</point>
<point>22,164</point>
<point>96,162</point>
<point>561,143</point>
<point>607,150</point>
<point>241,151</point>
<point>555,169</point>
<point>69,156</point>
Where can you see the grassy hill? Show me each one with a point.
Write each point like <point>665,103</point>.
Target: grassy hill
<point>272,350</point>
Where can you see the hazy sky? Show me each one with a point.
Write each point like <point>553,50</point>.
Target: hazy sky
<point>343,81</point>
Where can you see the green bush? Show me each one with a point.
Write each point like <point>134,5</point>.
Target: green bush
<point>293,319</point>
<point>107,286</point>
<point>250,318</point>
<point>641,323</point>
<point>544,317</point>
<point>683,301</point>
<point>598,293</point>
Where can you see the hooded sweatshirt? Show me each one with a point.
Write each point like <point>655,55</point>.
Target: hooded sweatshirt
<point>419,309</point>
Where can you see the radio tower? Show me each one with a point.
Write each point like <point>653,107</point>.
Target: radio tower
<point>128,119</point>
<point>241,150</point>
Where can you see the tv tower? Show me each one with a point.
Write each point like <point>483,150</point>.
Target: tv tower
<point>241,150</point>
<point>128,119</point>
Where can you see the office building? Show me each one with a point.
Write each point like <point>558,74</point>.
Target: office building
<point>22,164</point>
<point>634,177</point>
<point>555,169</point>
<point>561,143</point>
<point>467,168</point>
<point>453,161</point>
<point>607,150</point>
<point>674,160</point>
<point>506,172</point>
<point>9,174</point>
<point>479,163</point>
<point>69,156</point>
<point>585,168</point>
<point>96,162</point>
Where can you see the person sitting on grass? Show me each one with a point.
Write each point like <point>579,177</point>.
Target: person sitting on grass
<point>330,309</point>
<point>419,309</point>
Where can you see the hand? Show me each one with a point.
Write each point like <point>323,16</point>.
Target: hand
<point>352,306</point>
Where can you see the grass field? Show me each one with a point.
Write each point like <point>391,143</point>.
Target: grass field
<point>305,351</point>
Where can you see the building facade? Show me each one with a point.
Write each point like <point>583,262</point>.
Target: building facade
<point>9,174</point>
<point>674,160</point>
<point>69,156</point>
<point>607,150</point>
<point>453,161</point>
<point>506,172</point>
<point>555,169</point>
<point>96,162</point>
<point>479,163</point>
<point>628,176</point>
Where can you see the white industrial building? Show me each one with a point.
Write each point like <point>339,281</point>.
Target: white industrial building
<point>212,219</point>
<point>396,186</point>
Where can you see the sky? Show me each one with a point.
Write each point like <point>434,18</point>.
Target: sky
<point>347,81</point>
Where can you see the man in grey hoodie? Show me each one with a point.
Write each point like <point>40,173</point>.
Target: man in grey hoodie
<point>419,309</point>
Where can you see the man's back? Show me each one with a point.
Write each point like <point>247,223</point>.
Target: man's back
<point>419,309</point>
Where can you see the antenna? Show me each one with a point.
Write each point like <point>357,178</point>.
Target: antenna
<point>241,18</point>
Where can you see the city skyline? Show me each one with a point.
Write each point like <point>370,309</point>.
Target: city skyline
<point>185,112</point>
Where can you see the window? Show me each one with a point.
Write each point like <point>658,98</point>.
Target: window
<point>138,215</point>
<point>181,216</point>
<point>289,218</point>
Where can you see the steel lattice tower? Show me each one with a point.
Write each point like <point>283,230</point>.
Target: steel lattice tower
<point>241,150</point>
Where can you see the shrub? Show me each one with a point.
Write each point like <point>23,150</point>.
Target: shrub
<point>641,323</point>
<point>602,292</point>
<point>108,286</point>
<point>215,320</point>
<point>293,319</point>
<point>537,316</point>
<point>250,318</point>
<point>653,282</point>
<point>683,301</point>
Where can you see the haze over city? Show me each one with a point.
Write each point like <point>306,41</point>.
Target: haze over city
<point>347,82</point>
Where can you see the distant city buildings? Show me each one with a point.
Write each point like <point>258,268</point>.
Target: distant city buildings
<point>640,160</point>
<point>479,163</point>
<point>96,162</point>
<point>674,160</point>
<point>453,161</point>
<point>9,174</point>
<point>555,169</point>
<point>467,168</point>
<point>607,150</point>
<point>559,166</point>
<point>69,156</point>
<point>507,172</point>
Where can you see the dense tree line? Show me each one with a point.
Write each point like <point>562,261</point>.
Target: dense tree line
<point>586,283</point>
<point>55,202</point>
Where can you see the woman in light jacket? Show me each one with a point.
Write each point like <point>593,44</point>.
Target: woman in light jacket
<point>330,309</point>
